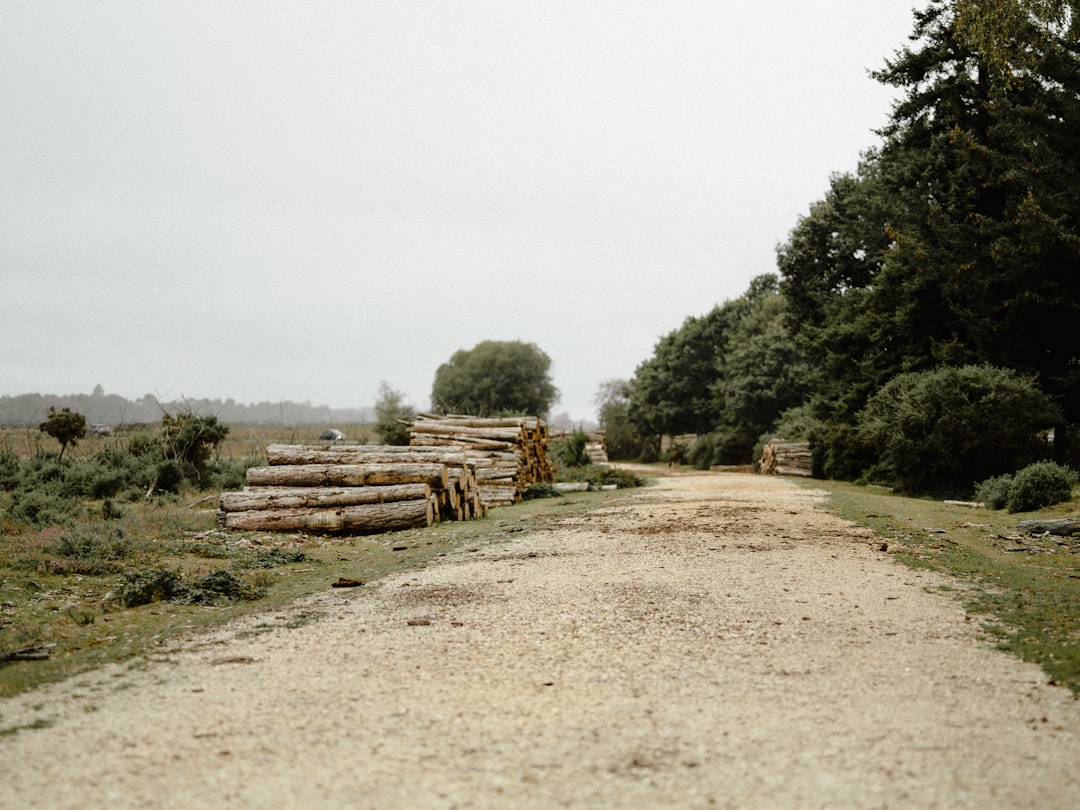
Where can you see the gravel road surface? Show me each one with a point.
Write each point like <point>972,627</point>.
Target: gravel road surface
<point>719,641</point>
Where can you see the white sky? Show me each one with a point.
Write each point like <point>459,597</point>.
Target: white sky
<point>299,200</point>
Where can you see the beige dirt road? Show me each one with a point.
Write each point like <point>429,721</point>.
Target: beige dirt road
<point>719,641</point>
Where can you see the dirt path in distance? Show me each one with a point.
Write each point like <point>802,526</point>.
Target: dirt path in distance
<point>718,641</point>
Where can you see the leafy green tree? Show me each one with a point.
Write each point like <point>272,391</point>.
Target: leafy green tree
<point>999,29</point>
<point>495,377</point>
<point>958,241</point>
<point>762,373</point>
<point>391,410</point>
<point>984,175</point>
<point>671,392</point>
<point>613,413</point>
<point>66,426</point>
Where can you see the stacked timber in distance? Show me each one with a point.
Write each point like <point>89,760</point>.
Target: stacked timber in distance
<point>509,453</point>
<point>352,490</point>
<point>781,457</point>
<point>595,443</point>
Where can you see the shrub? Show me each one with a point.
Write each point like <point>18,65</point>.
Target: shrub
<point>1041,484</point>
<point>10,470</point>
<point>598,476</point>
<point>41,508</point>
<point>169,477</point>
<point>535,491</point>
<point>705,452</point>
<point>149,585</point>
<point>162,585</point>
<point>66,426</point>
<point>994,492</point>
<point>570,452</point>
<point>936,432</point>
<point>91,542</point>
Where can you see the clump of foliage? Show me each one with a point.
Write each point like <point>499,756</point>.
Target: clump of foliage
<point>994,492</point>
<point>49,490</point>
<point>599,475</point>
<point>1043,483</point>
<point>66,426</point>
<point>192,441</point>
<point>150,585</point>
<point>621,437</point>
<point>40,508</point>
<point>391,411</point>
<point>90,549</point>
<point>937,432</point>
<point>541,490</point>
<point>495,377</point>
<point>570,451</point>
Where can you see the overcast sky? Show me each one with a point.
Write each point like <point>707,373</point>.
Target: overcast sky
<point>299,200</point>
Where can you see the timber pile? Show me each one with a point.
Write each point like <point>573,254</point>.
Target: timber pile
<point>509,454</point>
<point>780,457</point>
<point>595,443</point>
<point>353,490</point>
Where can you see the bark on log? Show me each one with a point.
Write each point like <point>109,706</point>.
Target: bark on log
<point>297,497</point>
<point>348,475</point>
<point>1061,526</point>
<point>362,519</point>
<point>291,454</point>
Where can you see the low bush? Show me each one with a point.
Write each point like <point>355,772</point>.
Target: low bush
<point>598,475</point>
<point>938,432</point>
<point>1041,484</point>
<point>42,508</point>
<point>994,492</point>
<point>151,585</point>
<point>93,542</point>
<point>535,491</point>
<point>570,451</point>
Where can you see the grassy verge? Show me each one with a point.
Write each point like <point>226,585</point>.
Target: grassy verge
<point>1026,591</point>
<point>62,590</point>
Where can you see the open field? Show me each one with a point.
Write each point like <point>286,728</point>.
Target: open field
<point>244,442</point>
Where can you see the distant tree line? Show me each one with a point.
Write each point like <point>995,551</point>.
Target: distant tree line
<point>29,410</point>
<point>937,286</point>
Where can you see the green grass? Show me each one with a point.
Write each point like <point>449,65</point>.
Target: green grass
<point>1027,601</point>
<point>62,586</point>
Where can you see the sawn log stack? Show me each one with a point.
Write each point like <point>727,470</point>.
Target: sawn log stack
<point>455,468</point>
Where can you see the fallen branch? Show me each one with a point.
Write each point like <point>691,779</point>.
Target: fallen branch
<point>1062,526</point>
<point>37,653</point>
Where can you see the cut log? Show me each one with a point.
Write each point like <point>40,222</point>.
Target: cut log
<point>1061,526</point>
<point>348,475</point>
<point>781,457</point>
<point>296,497</point>
<point>293,454</point>
<point>362,519</point>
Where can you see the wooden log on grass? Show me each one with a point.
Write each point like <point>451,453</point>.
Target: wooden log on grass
<point>362,519</point>
<point>1057,526</point>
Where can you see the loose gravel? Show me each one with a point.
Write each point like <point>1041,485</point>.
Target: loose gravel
<point>718,641</point>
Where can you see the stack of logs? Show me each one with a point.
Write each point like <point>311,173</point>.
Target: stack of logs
<point>781,457</point>
<point>595,443</point>
<point>354,490</point>
<point>508,454</point>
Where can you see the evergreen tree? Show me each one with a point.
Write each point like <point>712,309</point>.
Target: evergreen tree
<point>958,242</point>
